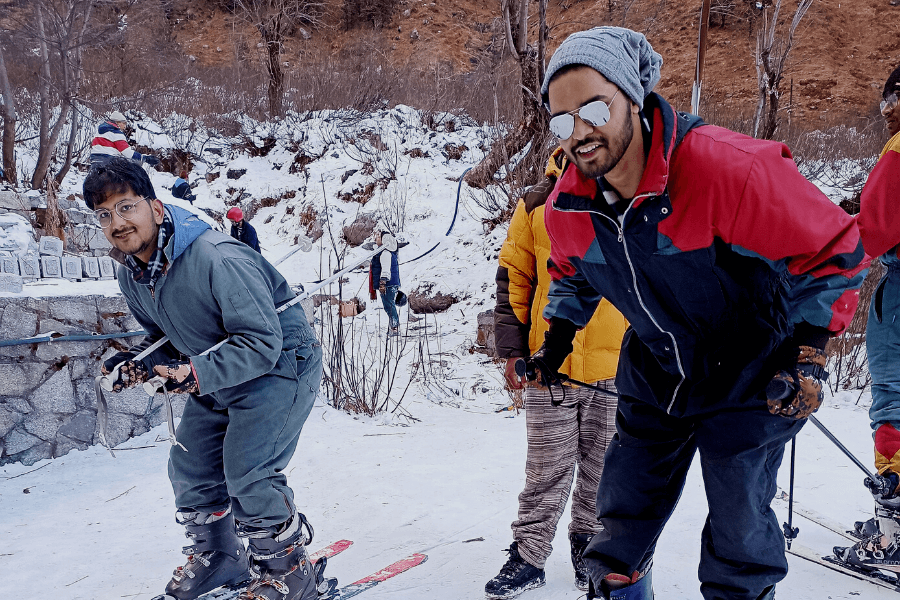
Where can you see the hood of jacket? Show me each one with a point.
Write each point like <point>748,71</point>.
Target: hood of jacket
<point>188,228</point>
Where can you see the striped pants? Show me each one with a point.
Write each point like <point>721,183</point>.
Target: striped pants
<point>559,437</point>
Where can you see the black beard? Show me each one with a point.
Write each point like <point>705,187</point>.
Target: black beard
<point>615,148</point>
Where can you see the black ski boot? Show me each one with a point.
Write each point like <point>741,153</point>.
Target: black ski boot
<point>881,549</point>
<point>515,577</point>
<point>865,529</point>
<point>578,542</point>
<point>280,565</point>
<point>215,558</point>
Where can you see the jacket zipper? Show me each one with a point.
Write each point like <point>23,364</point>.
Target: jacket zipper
<point>620,229</point>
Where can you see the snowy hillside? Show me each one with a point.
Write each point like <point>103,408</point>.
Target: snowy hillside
<point>440,474</point>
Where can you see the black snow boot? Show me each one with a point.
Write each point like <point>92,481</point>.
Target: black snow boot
<point>281,566</point>
<point>515,577</point>
<point>216,556</point>
<point>578,542</point>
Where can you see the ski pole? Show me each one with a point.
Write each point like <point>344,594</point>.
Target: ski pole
<point>843,448</point>
<point>522,370</point>
<point>790,532</point>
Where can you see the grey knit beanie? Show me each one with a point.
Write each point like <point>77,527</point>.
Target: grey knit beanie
<point>623,56</point>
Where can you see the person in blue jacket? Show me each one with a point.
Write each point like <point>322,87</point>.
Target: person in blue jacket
<point>251,369</point>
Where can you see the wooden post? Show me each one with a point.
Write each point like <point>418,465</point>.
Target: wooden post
<point>701,57</point>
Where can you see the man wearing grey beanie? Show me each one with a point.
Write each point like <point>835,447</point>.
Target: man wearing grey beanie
<point>733,272</point>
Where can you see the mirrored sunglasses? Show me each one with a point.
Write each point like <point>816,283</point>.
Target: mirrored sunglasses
<point>594,113</point>
<point>889,102</point>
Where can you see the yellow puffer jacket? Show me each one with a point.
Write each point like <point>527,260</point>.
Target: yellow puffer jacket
<point>522,286</point>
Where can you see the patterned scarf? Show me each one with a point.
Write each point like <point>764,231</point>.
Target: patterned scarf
<point>150,274</point>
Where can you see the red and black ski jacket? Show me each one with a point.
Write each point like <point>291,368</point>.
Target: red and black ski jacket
<point>724,253</point>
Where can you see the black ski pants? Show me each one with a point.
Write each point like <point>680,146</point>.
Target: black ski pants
<point>742,553</point>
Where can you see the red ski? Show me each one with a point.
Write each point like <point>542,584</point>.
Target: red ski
<point>366,583</point>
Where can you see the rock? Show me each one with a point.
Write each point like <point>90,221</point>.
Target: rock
<point>65,445</point>
<point>80,427</point>
<point>17,323</point>
<point>90,267</point>
<point>107,267</point>
<point>8,419</point>
<point>55,395</point>
<point>131,401</point>
<point>414,35</point>
<point>50,246</point>
<point>235,173</point>
<point>157,413</point>
<point>358,231</point>
<point>34,454</point>
<point>13,380</point>
<point>71,267</point>
<point>72,310</point>
<point>19,441</point>
<point>485,334</point>
<point>9,264</point>
<point>51,267</point>
<point>122,427</point>
<point>11,283</point>
<point>421,300</point>
<point>29,267</point>
<point>43,426</point>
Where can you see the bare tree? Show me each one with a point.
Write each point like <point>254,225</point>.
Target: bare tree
<point>8,109</point>
<point>771,55</point>
<point>275,19</point>
<point>533,126</point>
<point>59,30</point>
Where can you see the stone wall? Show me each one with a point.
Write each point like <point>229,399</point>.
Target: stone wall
<point>47,401</point>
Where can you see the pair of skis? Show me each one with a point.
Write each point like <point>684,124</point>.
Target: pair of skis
<point>875,576</point>
<point>335,593</point>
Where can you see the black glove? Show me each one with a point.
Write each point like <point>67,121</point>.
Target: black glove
<point>544,364</point>
<point>382,285</point>
<point>883,486</point>
<point>131,372</point>
<point>151,160</point>
<point>180,376</point>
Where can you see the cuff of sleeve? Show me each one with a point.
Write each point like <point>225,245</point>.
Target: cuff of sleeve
<point>811,335</point>
<point>194,371</point>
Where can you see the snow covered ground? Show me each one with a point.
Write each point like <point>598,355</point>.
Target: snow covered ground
<point>444,482</point>
<point>87,526</point>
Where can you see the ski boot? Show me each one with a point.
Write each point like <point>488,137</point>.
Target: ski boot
<point>622,587</point>
<point>515,577</point>
<point>215,558</point>
<point>881,549</point>
<point>578,542</point>
<point>280,564</point>
<point>865,529</point>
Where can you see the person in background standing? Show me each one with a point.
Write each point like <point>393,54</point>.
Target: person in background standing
<point>241,229</point>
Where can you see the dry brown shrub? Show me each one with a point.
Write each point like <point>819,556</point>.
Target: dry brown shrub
<point>422,300</point>
<point>416,153</point>
<point>453,151</point>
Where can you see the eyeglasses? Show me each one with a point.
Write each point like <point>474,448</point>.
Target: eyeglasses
<point>889,102</point>
<point>594,113</point>
<point>127,209</point>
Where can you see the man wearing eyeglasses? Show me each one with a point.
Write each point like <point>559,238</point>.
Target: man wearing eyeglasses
<point>249,397</point>
<point>732,270</point>
<point>879,226</point>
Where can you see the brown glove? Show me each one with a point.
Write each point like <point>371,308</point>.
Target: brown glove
<point>797,394</point>
<point>130,374</point>
<point>181,377</point>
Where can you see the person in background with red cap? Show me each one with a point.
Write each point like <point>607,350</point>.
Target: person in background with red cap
<point>241,229</point>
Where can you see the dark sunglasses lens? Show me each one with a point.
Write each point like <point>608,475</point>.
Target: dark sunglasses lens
<point>595,113</point>
<point>562,126</point>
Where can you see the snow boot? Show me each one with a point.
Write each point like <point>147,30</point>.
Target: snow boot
<point>215,558</point>
<point>515,577</point>
<point>622,587</point>
<point>881,549</point>
<point>280,565</point>
<point>578,542</point>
